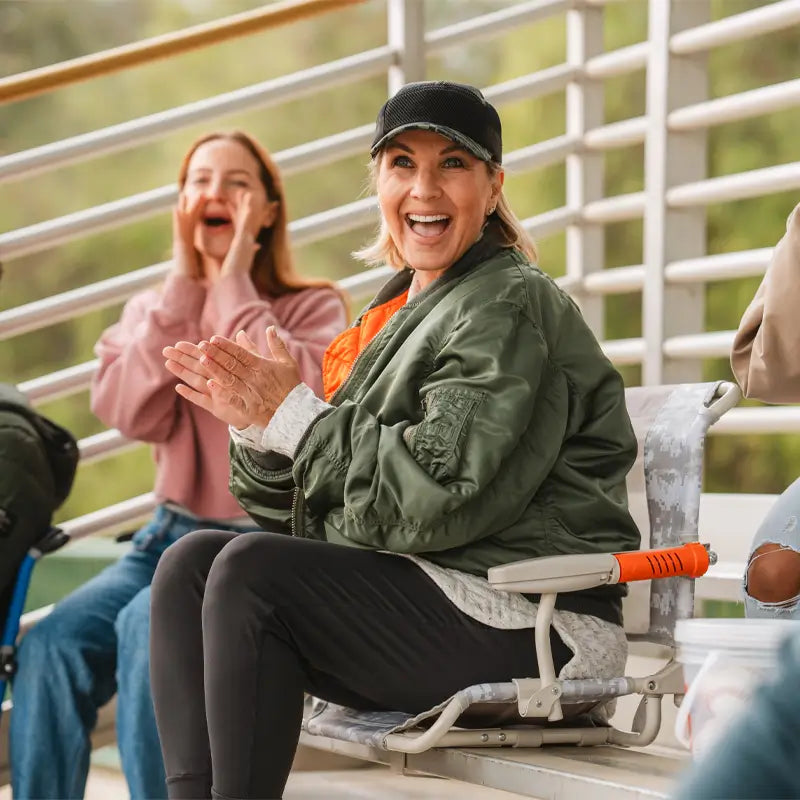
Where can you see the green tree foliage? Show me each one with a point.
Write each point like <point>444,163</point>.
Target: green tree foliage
<point>33,34</point>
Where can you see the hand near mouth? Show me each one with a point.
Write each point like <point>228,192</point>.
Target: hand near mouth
<point>246,225</point>
<point>185,217</point>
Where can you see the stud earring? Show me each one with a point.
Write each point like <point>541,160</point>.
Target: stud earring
<point>491,211</point>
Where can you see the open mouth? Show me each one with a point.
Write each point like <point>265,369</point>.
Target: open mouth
<point>428,225</point>
<point>216,221</point>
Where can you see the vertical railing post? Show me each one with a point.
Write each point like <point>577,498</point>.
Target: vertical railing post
<point>407,38</point>
<point>585,241</point>
<point>672,158</point>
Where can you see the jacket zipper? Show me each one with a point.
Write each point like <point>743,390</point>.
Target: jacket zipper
<point>296,493</point>
<point>294,510</point>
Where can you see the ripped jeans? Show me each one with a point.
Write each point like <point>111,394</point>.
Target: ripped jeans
<point>781,526</point>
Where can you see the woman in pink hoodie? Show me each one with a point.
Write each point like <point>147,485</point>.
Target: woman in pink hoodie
<point>231,271</point>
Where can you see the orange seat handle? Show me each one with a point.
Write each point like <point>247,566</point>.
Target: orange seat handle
<point>689,560</point>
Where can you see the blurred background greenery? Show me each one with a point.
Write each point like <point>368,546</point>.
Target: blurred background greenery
<point>34,33</point>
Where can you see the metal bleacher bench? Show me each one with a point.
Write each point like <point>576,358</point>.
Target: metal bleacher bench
<point>664,490</point>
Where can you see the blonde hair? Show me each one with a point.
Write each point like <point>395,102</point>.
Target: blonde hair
<point>383,250</point>
<point>273,269</point>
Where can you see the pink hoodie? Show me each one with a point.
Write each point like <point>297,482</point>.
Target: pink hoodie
<point>134,392</point>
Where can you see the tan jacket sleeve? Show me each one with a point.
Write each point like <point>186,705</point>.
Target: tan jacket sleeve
<point>766,350</point>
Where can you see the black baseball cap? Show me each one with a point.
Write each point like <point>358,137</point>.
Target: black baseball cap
<point>455,110</point>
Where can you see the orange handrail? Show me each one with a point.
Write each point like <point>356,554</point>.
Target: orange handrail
<point>55,76</point>
<point>689,560</point>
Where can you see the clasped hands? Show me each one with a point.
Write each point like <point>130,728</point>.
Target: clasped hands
<point>231,380</point>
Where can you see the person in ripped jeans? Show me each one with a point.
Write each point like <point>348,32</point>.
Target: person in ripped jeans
<point>766,362</point>
<point>231,271</point>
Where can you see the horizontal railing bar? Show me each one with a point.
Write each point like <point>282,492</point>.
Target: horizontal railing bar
<point>45,79</point>
<point>621,351</point>
<point>714,344</point>
<point>724,266</point>
<point>305,156</point>
<point>620,208</point>
<point>26,622</point>
<point>543,225</point>
<point>366,282</point>
<point>63,383</point>
<point>569,283</point>
<point>44,235</point>
<point>776,419</point>
<point>619,280</point>
<point>736,27</point>
<point>58,308</point>
<point>541,154</point>
<point>624,133</point>
<point>64,306</point>
<point>610,209</point>
<point>754,183</point>
<point>491,24</point>
<point>105,444</point>
<point>111,518</point>
<point>76,379</point>
<point>618,62</point>
<point>537,84</point>
<point>321,152</point>
<point>602,3</point>
<point>624,352</point>
<point>134,132</point>
<point>334,221</point>
<point>744,105</point>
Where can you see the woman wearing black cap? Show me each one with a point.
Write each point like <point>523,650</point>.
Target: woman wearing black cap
<point>470,420</point>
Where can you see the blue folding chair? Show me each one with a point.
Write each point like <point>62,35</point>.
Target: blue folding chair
<point>50,542</point>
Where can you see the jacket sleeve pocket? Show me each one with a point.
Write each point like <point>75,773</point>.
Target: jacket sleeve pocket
<point>438,441</point>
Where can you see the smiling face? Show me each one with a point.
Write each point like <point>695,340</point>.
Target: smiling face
<point>434,196</point>
<point>223,170</point>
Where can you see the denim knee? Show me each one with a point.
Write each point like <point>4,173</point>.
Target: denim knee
<point>43,644</point>
<point>132,627</point>
<point>45,659</point>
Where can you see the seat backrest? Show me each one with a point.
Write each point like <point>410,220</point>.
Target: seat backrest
<point>664,489</point>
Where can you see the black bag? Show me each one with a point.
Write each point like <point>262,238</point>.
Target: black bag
<point>38,460</point>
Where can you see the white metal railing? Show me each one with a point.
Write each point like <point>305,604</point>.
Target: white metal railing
<point>674,259</point>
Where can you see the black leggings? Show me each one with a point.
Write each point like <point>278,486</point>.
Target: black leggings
<point>243,625</point>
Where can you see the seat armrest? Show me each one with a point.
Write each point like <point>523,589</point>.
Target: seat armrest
<point>556,574</point>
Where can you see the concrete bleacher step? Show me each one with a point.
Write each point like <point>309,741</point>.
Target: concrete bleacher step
<point>371,783</point>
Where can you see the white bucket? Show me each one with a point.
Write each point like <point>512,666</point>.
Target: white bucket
<point>723,661</point>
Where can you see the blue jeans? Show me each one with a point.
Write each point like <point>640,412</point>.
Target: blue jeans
<point>780,526</point>
<point>95,643</point>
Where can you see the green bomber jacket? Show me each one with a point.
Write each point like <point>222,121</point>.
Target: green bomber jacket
<point>482,425</point>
